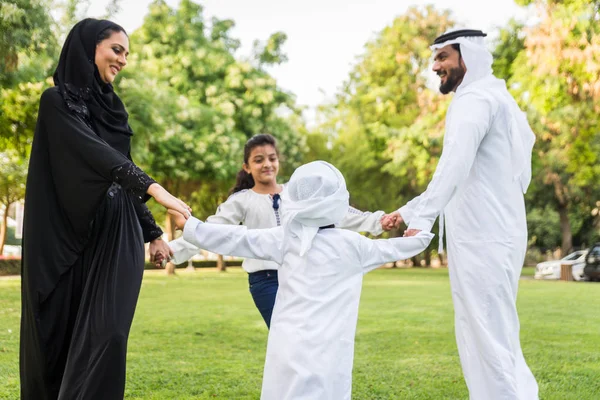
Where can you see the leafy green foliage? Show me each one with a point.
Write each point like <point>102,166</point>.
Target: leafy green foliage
<point>193,105</point>
<point>556,78</point>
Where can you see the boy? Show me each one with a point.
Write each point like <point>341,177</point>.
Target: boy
<point>311,342</point>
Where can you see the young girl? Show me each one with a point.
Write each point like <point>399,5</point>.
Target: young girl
<point>310,351</point>
<point>256,203</point>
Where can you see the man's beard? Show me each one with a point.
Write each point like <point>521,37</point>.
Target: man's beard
<point>453,77</point>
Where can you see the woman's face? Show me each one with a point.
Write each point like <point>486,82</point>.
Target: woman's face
<point>111,56</point>
<point>263,164</point>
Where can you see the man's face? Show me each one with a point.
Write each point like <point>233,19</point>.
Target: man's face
<point>450,67</point>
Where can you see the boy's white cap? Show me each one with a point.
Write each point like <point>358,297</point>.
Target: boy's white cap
<point>315,196</point>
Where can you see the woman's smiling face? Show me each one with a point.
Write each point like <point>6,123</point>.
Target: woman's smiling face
<point>111,56</point>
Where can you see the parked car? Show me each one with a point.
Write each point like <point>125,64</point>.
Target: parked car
<point>592,263</point>
<point>551,269</point>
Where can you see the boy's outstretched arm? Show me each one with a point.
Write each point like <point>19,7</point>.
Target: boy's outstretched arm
<point>234,240</point>
<point>374,253</point>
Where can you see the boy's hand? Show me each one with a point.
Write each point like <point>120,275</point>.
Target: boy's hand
<point>391,221</point>
<point>178,218</point>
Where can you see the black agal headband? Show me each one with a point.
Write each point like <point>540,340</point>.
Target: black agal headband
<point>456,34</point>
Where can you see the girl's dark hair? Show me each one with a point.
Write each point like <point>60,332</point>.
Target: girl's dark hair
<point>105,34</point>
<point>245,180</point>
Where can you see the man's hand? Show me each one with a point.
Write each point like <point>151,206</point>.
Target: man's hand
<point>178,218</point>
<point>391,221</point>
<point>160,252</point>
<point>411,232</point>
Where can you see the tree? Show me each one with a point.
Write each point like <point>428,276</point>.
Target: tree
<point>27,47</point>
<point>557,80</point>
<point>25,29</point>
<point>386,127</point>
<point>193,105</point>
<point>18,115</point>
<point>13,173</point>
<point>509,44</point>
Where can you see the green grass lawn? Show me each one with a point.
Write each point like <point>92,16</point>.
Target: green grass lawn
<point>198,336</point>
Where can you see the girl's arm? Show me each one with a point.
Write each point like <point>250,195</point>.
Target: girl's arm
<point>232,211</point>
<point>362,221</point>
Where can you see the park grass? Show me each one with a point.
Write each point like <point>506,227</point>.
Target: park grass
<point>198,336</point>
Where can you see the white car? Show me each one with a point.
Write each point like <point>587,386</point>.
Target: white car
<point>551,269</point>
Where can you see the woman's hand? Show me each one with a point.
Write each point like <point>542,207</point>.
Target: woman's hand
<point>160,252</point>
<point>169,201</point>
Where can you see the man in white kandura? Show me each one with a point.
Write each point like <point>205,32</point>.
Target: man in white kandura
<point>484,170</point>
<point>311,342</point>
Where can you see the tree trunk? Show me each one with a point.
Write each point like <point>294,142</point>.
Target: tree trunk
<point>4,228</point>
<point>443,260</point>
<point>561,193</point>
<point>415,262</point>
<point>190,266</point>
<point>428,258</point>
<point>221,266</point>
<point>170,268</point>
<point>170,226</point>
<point>565,229</point>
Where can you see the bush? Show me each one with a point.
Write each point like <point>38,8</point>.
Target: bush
<point>200,264</point>
<point>534,255</point>
<point>10,237</point>
<point>10,266</point>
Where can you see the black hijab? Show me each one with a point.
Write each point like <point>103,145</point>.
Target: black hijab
<point>84,91</point>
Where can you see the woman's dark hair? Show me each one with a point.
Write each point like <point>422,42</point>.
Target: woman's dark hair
<point>106,33</point>
<point>245,180</point>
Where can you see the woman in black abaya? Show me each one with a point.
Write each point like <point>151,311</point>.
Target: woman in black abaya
<point>85,226</point>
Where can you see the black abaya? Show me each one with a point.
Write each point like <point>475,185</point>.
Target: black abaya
<point>83,259</point>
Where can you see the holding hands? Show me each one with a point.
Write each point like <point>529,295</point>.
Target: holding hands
<point>388,221</point>
<point>393,221</point>
<point>160,252</point>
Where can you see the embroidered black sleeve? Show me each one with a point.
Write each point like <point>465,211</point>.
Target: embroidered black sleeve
<point>136,182</point>
<point>133,179</point>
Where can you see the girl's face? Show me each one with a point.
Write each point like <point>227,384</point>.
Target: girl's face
<point>111,56</point>
<point>263,164</point>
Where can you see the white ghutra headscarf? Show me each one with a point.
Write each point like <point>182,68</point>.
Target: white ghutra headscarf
<point>315,196</point>
<point>476,56</point>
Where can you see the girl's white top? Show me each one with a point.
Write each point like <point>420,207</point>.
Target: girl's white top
<point>255,210</point>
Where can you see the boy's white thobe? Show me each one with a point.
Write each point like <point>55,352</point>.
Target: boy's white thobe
<point>311,341</point>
